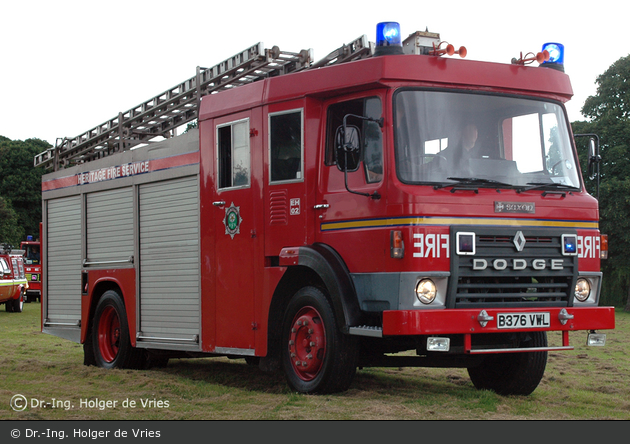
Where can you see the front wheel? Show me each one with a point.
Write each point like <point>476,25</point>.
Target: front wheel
<point>18,304</point>
<point>512,373</point>
<point>15,305</point>
<point>110,334</point>
<point>316,356</point>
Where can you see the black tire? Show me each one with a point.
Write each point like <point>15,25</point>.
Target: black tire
<point>18,304</point>
<point>154,360</point>
<point>316,356</point>
<point>512,373</point>
<point>8,306</point>
<point>252,360</point>
<point>110,335</point>
<point>88,351</point>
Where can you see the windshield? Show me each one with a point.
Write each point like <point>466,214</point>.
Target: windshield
<point>448,137</point>
<point>31,254</point>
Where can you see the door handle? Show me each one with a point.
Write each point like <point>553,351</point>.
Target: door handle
<point>218,203</point>
<point>321,206</point>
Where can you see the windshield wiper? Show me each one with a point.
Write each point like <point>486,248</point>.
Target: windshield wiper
<point>553,185</point>
<point>473,181</point>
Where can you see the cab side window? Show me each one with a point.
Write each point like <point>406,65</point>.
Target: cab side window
<point>286,146</point>
<point>233,154</point>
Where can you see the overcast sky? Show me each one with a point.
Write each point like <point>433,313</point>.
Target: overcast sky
<point>68,66</point>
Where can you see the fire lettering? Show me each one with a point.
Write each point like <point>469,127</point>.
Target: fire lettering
<point>588,247</point>
<point>114,172</point>
<point>431,245</point>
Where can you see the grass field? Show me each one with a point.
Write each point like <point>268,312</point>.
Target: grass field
<point>47,373</point>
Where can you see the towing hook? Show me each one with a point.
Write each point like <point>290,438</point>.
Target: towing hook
<point>564,316</point>
<point>484,318</point>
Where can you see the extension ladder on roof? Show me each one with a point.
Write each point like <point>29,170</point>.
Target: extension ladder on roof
<point>177,106</point>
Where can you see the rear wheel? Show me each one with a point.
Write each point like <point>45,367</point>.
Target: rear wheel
<point>316,356</point>
<point>110,335</point>
<point>512,373</point>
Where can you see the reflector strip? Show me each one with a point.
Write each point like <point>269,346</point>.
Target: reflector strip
<point>434,221</point>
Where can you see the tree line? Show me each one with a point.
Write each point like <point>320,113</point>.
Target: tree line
<point>20,190</point>
<point>607,113</point>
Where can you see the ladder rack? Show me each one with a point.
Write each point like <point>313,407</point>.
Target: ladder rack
<point>177,106</point>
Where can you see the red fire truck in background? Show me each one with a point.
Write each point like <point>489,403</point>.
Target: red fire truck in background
<point>13,285</point>
<point>387,205</point>
<point>33,268</point>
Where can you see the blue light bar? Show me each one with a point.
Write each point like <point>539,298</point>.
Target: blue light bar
<point>388,34</point>
<point>556,55</point>
<point>388,40</point>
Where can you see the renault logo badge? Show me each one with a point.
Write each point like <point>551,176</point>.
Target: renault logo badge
<point>519,241</point>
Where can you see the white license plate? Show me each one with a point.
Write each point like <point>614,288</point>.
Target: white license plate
<point>523,320</point>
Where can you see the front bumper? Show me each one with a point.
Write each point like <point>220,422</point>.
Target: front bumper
<point>469,321</point>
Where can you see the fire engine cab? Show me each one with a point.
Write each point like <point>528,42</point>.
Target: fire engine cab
<point>33,268</point>
<point>388,205</point>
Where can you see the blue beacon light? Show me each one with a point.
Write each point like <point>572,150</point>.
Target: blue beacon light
<point>569,242</point>
<point>556,56</point>
<point>388,40</point>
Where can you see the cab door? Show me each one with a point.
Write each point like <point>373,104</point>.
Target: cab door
<point>351,196</point>
<point>285,194</point>
<point>237,219</point>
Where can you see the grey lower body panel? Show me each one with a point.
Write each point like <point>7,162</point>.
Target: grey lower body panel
<point>71,333</point>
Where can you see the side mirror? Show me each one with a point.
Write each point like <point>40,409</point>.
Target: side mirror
<point>593,157</point>
<point>348,147</point>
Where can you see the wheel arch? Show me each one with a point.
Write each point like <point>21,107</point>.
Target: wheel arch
<point>320,266</point>
<point>95,295</point>
<point>334,274</point>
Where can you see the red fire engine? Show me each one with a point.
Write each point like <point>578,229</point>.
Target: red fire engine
<point>385,206</point>
<point>13,285</point>
<point>33,268</point>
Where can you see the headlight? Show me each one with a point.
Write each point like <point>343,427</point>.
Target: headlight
<point>582,289</point>
<point>426,291</point>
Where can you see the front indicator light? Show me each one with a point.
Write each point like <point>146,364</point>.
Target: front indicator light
<point>582,289</point>
<point>397,245</point>
<point>426,291</point>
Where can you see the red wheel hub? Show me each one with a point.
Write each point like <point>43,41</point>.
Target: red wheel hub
<point>109,334</point>
<point>307,343</point>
